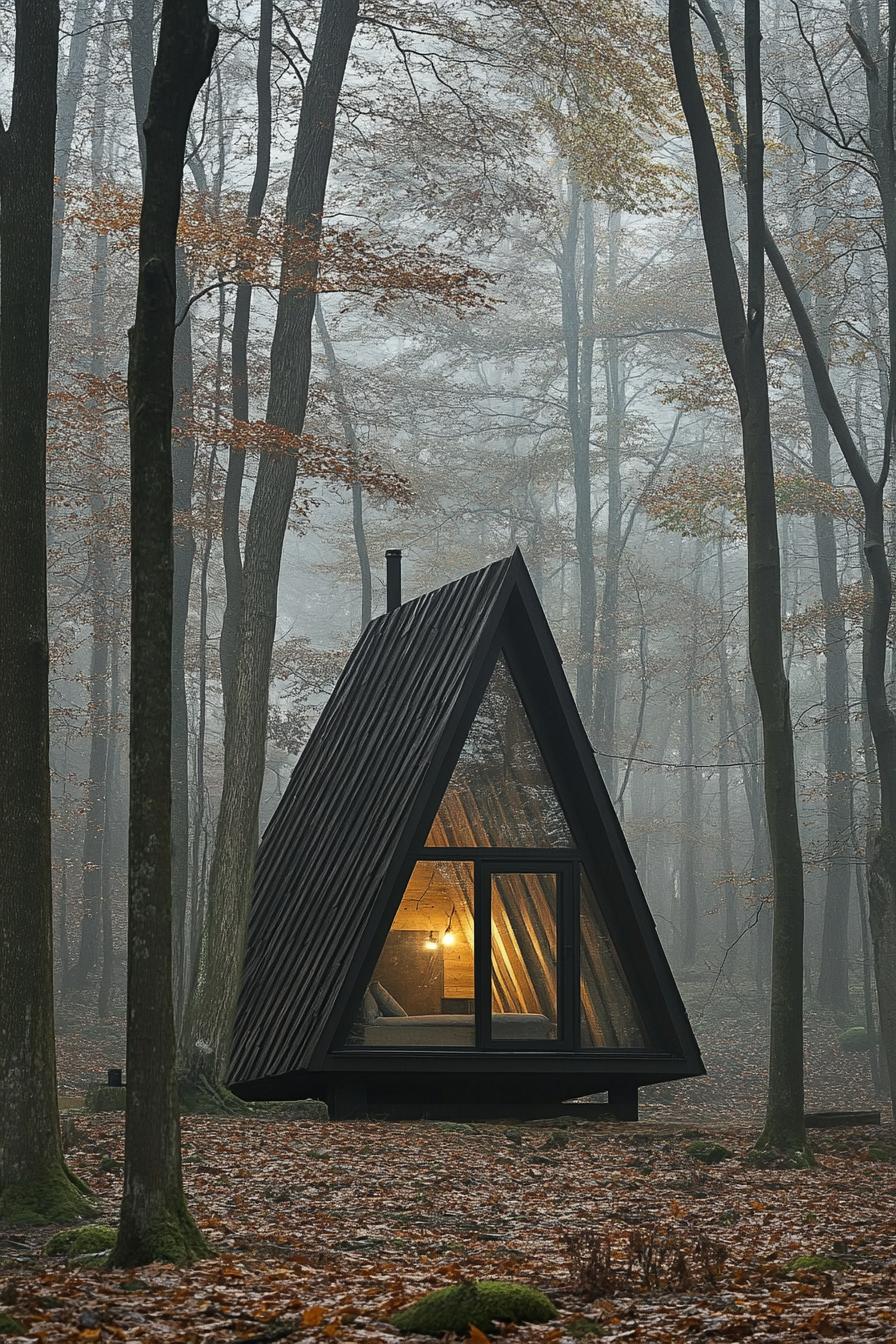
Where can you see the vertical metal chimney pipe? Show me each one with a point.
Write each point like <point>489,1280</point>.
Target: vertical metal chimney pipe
<point>393,580</point>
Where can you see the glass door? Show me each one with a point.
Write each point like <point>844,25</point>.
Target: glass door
<point>523,954</point>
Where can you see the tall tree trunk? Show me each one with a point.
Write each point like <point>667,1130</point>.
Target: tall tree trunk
<point>785,1120</point>
<point>761,859</point>
<point>749,747</point>
<point>742,332</point>
<point>691,863</point>
<point>106,865</point>
<point>233,484</point>
<point>98,327</point>
<point>578,339</point>
<point>34,1184</point>
<point>99,572</point>
<point>606,690</point>
<point>351,438</point>
<point>69,94</point>
<point>197,894</point>
<point>861,851</point>
<point>833,973</point>
<point>214,999</point>
<point>183,457</point>
<point>726,857</point>
<point>99,580</point>
<point>882,858</point>
<point>155,1223</point>
<point>832,987</point>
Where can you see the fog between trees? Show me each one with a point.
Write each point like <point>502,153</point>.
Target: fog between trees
<point>514,343</point>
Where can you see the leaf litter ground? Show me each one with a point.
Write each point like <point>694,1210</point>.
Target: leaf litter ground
<point>322,1231</point>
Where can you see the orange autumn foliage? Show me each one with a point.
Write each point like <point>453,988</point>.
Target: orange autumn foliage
<point>222,248</point>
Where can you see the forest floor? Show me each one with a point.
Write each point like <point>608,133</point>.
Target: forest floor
<point>321,1231</point>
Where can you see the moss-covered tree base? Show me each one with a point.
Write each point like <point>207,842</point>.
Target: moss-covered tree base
<point>205,1096</point>
<point>483,1303</point>
<point>171,1236</point>
<point>105,1098</point>
<point>202,1095</point>
<point>57,1197</point>
<point>780,1152</point>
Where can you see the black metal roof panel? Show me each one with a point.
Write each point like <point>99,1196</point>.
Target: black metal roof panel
<point>327,851</point>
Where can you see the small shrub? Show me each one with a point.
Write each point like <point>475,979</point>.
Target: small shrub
<point>591,1266</point>
<point>641,1260</point>
<point>709,1259</point>
<point>481,1303</point>
<point>704,1150</point>
<point>89,1239</point>
<point>882,1152</point>
<point>659,1258</point>
<point>855,1039</point>
<point>9,1325</point>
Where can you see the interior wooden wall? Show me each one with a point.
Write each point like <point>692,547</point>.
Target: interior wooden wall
<point>432,893</point>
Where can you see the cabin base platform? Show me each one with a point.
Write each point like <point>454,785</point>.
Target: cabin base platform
<point>348,1101</point>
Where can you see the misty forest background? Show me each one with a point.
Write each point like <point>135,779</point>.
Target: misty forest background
<point>514,345</point>
<point>281,289</point>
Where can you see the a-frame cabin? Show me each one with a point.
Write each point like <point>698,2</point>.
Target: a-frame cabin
<point>447,919</point>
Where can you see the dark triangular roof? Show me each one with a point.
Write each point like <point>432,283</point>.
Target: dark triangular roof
<point>361,799</point>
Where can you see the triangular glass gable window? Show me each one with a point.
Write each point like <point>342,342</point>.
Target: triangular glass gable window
<point>500,793</point>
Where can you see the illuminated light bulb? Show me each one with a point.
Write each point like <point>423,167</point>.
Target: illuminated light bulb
<point>431,945</point>
<point>449,938</point>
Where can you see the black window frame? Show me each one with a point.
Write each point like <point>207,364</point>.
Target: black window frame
<point>568,990</point>
<point>486,862</point>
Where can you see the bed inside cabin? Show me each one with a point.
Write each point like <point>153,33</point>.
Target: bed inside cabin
<point>421,993</point>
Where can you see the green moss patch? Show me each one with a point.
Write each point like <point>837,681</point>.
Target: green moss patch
<point>9,1325</point>
<point>91,1239</point>
<point>483,1303</point>
<point>816,1262</point>
<point>704,1150</point>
